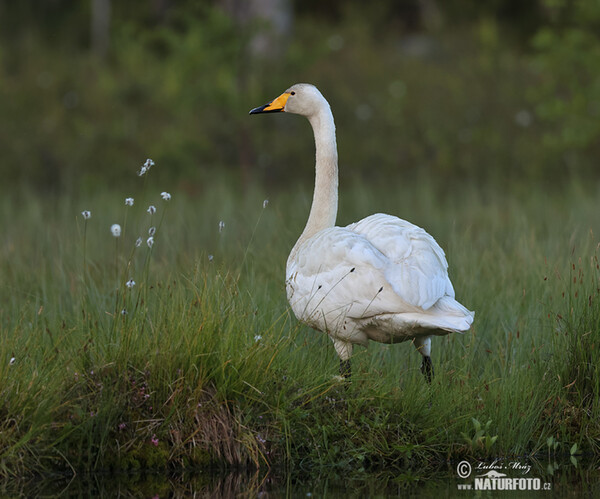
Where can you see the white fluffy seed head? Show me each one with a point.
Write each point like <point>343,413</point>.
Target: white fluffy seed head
<point>128,201</point>
<point>86,214</point>
<point>115,230</point>
<point>146,167</point>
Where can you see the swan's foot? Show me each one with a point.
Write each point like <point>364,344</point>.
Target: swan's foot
<point>345,369</point>
<point>427,368</point>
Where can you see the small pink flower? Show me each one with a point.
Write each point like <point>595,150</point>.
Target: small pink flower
<point>154,440</point>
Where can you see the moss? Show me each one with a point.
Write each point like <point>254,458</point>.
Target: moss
<point>201,458</point>
<point>129,462</point>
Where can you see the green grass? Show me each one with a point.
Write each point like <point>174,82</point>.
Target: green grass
<point>182,380</point>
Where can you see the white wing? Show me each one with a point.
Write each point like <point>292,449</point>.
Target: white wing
<point>379,266</point>
<point>417,268</point>
<point>337,271</point>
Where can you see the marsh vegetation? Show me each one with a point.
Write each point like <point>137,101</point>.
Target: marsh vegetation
<point>201,363</point>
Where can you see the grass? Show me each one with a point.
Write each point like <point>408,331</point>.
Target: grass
<point>209,368</point>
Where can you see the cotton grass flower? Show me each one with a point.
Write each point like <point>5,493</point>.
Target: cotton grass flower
<point>265,203</point>
<point>115,230</point>
<point>151,209</point>
<point>130,283</point>
<point>12,361</point>
<point>86,214</point>
<point>138,242</point>
<point>150,242</point>
<point>166,196</point>
<point>146,167</point>
<point>151,231</point>
<point>257,338</point>
<point>221,225</point>
<point>128,201</point>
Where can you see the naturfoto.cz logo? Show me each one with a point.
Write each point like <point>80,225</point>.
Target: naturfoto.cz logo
<point>487,477</point>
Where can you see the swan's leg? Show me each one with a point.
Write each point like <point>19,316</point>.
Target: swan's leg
<point>423,346</point>
<point>344,351</point>
<point>427,368</point>
<point>345,368</point>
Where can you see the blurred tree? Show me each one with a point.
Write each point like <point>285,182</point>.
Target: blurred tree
<point>520,17</point>
<point>273,17</point>
<point>100,20</point>
<point>161,7</point>
<point>269,24</point>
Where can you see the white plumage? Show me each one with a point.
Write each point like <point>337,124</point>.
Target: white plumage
<point>381,279</point>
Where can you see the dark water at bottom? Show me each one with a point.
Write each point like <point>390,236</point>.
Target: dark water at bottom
<point>489,479</point>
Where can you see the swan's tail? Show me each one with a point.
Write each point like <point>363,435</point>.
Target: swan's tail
<point>447,314</point>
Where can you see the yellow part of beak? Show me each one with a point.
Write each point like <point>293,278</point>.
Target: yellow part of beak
<point>279,103</point>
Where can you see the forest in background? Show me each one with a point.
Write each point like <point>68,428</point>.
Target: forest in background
<point>492,92</point>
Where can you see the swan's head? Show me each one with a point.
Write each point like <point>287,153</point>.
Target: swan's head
<point>301,98</point>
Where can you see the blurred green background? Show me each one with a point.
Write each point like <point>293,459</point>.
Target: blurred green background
<point>447,91</point>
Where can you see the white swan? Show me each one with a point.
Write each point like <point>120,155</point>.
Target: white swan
<point>381,279</point>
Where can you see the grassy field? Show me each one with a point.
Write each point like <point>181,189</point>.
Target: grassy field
<point>201,362</point>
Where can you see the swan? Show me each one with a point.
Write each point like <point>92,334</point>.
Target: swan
<point>381,279</point>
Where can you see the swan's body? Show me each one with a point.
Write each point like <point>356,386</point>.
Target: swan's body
<point>381,279</point>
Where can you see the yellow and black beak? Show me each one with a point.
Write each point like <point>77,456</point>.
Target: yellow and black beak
<point>274,106</point>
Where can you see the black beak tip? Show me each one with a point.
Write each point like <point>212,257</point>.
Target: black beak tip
<point>261,109</point>
<point>257,110</point>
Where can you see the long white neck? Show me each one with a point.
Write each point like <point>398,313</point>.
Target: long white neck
<point>323,211</point>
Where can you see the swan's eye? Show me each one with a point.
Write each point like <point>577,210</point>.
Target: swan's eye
<point>292,93</point>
